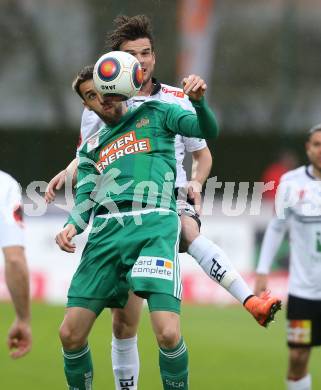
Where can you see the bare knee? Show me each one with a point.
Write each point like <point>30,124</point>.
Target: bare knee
<point>14,256</point>
<point>168,337</point>
<point>71,339</point>
<point>298,362</point>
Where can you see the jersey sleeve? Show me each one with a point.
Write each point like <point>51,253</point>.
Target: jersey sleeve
<point>90,124</point>
<point>277,227</point>
<point>11,215</point>
<point>272,239</point>
<point>87,178</point>
<point>186,123</point>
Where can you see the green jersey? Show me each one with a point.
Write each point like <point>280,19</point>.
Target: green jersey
<point>134,162</point>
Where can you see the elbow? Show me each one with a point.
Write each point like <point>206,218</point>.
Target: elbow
<point>15,262</point>
<point>213,132</point>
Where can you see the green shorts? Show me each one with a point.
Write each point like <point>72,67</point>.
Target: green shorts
<point>128,251</point>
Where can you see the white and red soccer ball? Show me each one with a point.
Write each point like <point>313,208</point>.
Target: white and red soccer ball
<point>118,73</point>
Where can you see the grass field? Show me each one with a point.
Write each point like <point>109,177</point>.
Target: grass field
<point>228,351</point>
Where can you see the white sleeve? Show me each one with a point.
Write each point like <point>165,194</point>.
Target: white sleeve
<point>278,225</point>
<point>272,239</point>
<point>194,144</point>
<point>11,217</point>
<point>90,124</point>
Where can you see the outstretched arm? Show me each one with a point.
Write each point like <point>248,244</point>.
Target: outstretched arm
<point>203,124</point>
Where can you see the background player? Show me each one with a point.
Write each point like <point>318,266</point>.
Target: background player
<point>16,271</point>
<point>134,35</point>
<point>298,207</point>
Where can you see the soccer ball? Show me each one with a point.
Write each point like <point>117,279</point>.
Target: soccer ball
<point>118,73</point>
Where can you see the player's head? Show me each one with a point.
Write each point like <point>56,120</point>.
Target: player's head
<point>109,108</point>
<point>134,35</point>
<point>313,146</point>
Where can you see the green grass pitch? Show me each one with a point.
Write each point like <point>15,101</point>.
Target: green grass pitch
<point>228,351</point>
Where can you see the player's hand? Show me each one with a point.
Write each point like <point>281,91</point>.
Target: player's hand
<point>63,239</point>
<point>194,87</point>
<point>55,183</point>
<point>19,339</point>
<point>194,189</point>
<point>261,281</point>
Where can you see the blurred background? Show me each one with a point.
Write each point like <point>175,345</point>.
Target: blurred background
<point>261,60</point>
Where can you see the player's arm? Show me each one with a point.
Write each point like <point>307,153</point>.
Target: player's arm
<point>203,124</point>
<point>274,233</point>
<point>271,242</point>
<point>80,215</point>
<point>58,181</point>
<point>17,279</point>
<point>201,167</point>
<point>202,164</point>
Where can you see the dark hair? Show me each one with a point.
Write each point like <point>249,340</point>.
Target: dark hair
<point>129,29</point>
<point>313,130</point>
<point>86,73</point>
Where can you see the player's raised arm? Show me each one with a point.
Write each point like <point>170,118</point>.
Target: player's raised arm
<point>203,124</point>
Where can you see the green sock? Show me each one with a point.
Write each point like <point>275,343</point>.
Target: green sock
<point>79,368</point>
<point>173,365</point>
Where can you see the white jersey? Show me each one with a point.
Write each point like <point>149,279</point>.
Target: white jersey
<point>11,227</point>
<point>91,123</point>
<point>298,209</point>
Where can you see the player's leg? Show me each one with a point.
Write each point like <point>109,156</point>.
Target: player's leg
<point>73,333</point>
<point>216,264</point>
<point>298,377</point>
<point>156,276</point>
<point>94,286</point>
<point>173,355</point>
<point>125,358</point>
<point>213,260</point>
<point>303,332</point>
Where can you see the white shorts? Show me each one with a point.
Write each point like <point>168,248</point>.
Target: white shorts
<point>11,216</point>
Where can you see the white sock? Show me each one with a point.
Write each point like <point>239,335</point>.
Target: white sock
<point>125,361</point>
<point>304,383</point>
<point>218,267</point>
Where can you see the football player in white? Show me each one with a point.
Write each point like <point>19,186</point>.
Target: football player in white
<point>298,210</point>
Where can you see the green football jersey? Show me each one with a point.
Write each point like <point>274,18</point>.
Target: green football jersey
<point>134,162</point>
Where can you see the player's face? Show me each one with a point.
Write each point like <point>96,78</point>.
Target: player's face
<point>108,108</point>
<point>313,149</point>
<point>141,49</point>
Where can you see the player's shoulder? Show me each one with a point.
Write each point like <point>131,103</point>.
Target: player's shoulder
<point>91,143</point>
<point>90,122</point>
<point>294,174</point>
<point>171,90</point>
<point>171,94</point>
<point>6,178</point>
<point>154,105</point>
<point>8,182</point>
